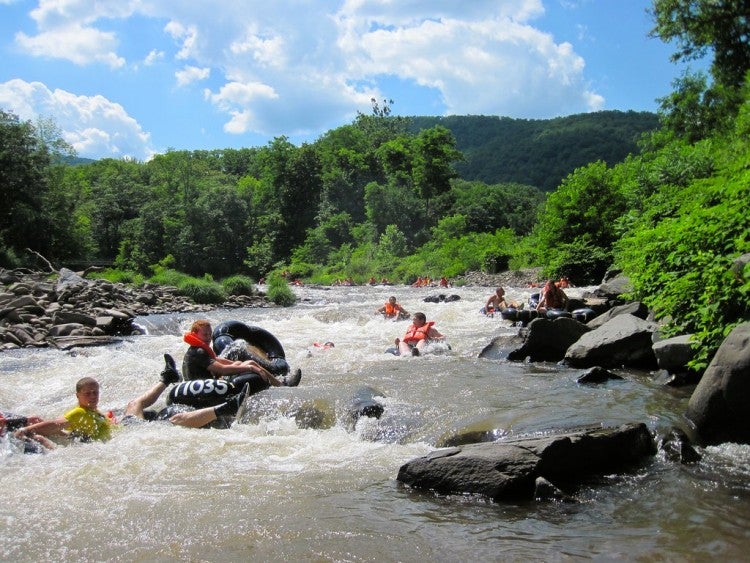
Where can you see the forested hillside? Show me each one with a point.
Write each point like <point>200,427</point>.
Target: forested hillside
<point>540,152</point>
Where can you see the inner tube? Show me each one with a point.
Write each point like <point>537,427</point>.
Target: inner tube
<point>526,315</point>
<point>558,313</point>
<point>260,345</point>
<point>583,315</point>
<point>201,393</point>
<point>509,313</point>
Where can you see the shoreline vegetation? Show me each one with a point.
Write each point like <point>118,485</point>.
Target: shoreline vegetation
<point>64,309</point>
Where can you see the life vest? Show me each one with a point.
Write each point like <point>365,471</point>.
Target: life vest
<point>392,310</point>
<point>414,334</point>
<point>192,339</point>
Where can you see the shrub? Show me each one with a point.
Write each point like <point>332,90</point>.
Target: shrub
<point>238,285</point>
<point>166,276</point>
<point>278,290</point>
<point>202,291</point>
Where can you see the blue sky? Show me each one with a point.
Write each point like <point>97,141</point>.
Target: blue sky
<point>133,78</point>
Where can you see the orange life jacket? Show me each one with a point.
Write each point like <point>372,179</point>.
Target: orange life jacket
<point>392,310</point>
<point>414,334</point>
<point>192,339</point>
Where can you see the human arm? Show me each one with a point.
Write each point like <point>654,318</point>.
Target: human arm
<point>433,334</point>
<point>15,422</point>
<point>55,427</point>
<point>221,367</point>
<point>563,299</point>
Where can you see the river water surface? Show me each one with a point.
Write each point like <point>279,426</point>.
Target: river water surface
<point>273,489</point>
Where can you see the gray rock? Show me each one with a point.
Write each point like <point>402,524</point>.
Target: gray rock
<point>673,354</point>
<point>635,308</point>
<point>738,266</point>
<point>68,278</point>
<point>677,447</point>
<point>67,317</point>
<point>509,469</point>
<point>719,405</point>
<point>625,340</point>
<point>596,374</point>
<point>501,346</point>
<point>23,301</point>
<point>548,340</point>
<point>614,287</point>
<point>64,329</point>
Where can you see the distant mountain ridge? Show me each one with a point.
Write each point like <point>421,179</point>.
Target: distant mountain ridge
<point>540,152</point>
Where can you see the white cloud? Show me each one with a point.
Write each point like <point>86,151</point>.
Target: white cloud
<point>191,74</point>
<point>93,125</point>
<point>306,65</point>
<point>486,65</point>
<point>153,56</point>
<point>80,45</point>
<point>187,35</point>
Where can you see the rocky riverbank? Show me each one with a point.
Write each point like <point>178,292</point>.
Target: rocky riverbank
<point>510,278</point>
<point>63,309</point>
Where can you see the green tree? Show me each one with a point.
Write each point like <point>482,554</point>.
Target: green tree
<point>721,27</point>
<point>700,28</point>
<point>23,185</point>
<point>435,152</point>
<point>582,216</point>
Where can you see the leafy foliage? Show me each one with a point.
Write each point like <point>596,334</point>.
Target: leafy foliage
<point>278,290</point>
<point>238,285</point>
<point>679,253</point>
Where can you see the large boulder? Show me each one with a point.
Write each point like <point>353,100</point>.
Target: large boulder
<point>547,340</point>
<point>673,354</point>
<point>500,346</point>
<point>635,308</point>
<point>625,340</point>
<point>510,469</point>
<point>614,287</point>
<point>719,405</point>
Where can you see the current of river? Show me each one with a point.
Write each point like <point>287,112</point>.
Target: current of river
<point>270,490</point>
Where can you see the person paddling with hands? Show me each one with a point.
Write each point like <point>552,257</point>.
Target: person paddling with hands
<point>86,423</point>
<point>392,310</point>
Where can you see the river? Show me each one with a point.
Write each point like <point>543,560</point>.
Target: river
<point>272,489</point>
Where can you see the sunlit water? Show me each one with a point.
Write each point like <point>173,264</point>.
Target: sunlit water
<point>270,490</point>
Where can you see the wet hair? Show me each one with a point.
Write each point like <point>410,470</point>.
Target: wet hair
<point>420,316</point>
<point>197,325</point>
<point>85,382</point>
<point>500,289</point>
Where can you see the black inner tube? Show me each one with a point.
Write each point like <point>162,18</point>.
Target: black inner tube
<point>275,362</point>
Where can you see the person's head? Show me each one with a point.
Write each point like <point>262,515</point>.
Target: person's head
<point>500,292</point>
<point>419,319</point>
<point>202,329</point>
<point>87,392</point>
<point>392,300</point>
